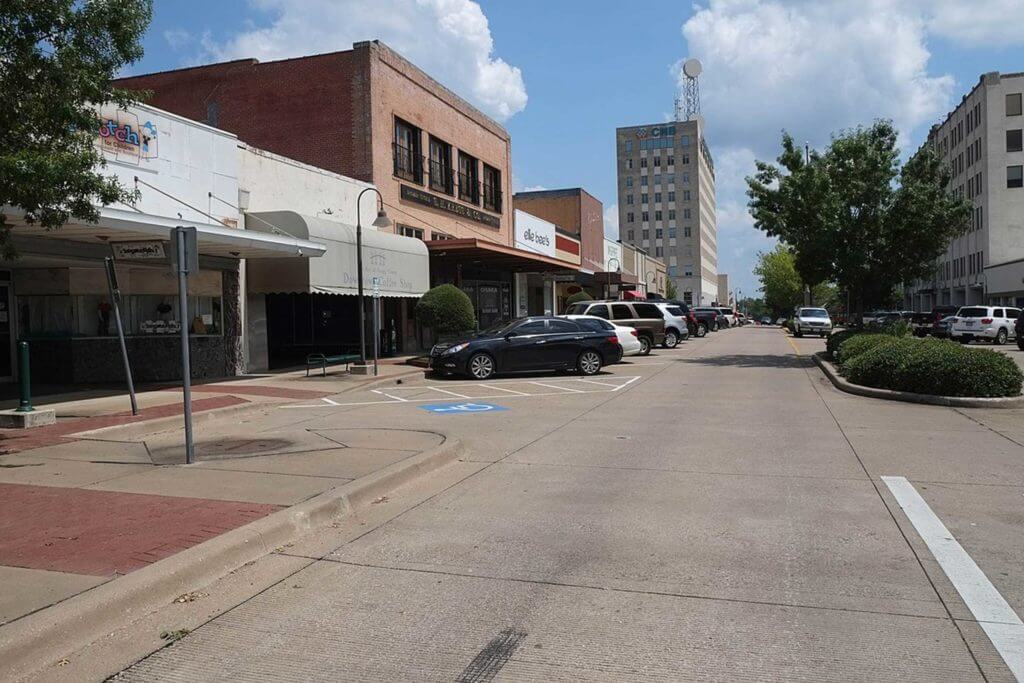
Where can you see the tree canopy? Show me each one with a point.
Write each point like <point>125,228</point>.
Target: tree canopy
<point>58,60</point>
<point>782,286</point>
<point>851,215</point>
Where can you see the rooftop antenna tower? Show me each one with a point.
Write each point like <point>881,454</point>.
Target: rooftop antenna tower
<point>689,108</point>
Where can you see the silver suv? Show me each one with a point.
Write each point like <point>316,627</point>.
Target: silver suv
<point>676,329</point>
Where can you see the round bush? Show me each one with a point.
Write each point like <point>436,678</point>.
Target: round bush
<point>856,345</point>
<point>836,339</point>
<point>446,309</point>
<point>578,296</point>
<point>936,366</point>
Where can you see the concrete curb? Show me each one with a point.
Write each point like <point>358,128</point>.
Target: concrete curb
<point>30,643</point>
<point>134,430</point>
<point>909,397</point>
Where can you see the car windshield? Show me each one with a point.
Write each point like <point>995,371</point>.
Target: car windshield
<point>813,313</point>
<point>972,313</point>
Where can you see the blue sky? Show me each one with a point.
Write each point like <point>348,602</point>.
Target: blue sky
<point>562,75</point>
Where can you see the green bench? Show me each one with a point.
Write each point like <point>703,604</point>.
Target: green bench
<point>322,360</point>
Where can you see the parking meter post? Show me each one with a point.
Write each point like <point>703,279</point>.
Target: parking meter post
<point>24,380</point>
<point>182,267</point>
<point>115,300</point>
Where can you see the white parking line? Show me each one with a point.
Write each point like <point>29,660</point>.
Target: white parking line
<point>552,386</point>
<point>626,383</point>
<point>394,398</point>
<point>492,386</point>
<point>329,401</point>
<point>600,384</point>
<point>445,391</point>
<point>1002,625</point>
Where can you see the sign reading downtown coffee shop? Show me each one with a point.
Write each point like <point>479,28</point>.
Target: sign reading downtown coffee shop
<point>448,206</point>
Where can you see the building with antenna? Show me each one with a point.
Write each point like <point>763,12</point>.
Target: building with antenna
<point>666,195</point>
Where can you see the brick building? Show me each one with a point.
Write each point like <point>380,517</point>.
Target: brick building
<point>442,166</point>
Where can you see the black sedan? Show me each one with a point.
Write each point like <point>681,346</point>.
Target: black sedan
<point>528,345</point>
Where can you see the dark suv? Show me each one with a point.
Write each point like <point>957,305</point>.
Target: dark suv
<point>646,318</point>
<point>924,323</point>
<point>1018,328</point>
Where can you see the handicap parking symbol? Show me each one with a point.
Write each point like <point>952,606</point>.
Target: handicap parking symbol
<point>462,408</point>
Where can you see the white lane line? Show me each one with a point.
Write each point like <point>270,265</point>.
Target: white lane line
<point>1002,625</point>
<point>555,386</point>
<point>394,398</point>
<point>511,391</point>
<point>445,391</point>
<point>626,384</point>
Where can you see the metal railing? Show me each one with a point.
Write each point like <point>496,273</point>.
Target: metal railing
<point>407,164</point>
<point>492,198</point>
<point>442,177</point>
<point>469,189</point>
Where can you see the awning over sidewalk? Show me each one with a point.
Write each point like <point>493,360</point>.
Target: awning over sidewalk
<point>398,264</point>
<point>493,255</point>
<point>615,277</point>
<point>120,225</point>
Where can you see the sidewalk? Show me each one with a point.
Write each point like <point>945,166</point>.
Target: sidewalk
<point>80,507</point>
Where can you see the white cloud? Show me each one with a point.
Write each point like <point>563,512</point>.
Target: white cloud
<point>993,22</point>
<point>449,39</point>
<point>178,38</point>
<point>611,222</point>
<point>534,188</point>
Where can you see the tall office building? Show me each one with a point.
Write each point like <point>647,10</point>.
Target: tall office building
<point>667,202</point>
<point>981,142</point>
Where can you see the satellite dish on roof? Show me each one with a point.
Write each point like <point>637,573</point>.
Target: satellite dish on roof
<point>692,68</point>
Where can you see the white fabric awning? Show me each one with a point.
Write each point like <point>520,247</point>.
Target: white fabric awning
<point>401,265</point>
<point>119,225</point>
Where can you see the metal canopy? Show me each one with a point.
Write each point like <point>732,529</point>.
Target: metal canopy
<point>494,255</point>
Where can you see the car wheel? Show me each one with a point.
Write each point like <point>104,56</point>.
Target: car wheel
<point>702,330</point>
<point>822,335</point>
<point>715,326</point>
<point>963,340</point>
<point>1001,336</point>
<point>671,340</point>
<point>645,345</point>
<point>589,363</point>
<point>797,333</point>
<point>1020,342</point>
<point>481,366</point>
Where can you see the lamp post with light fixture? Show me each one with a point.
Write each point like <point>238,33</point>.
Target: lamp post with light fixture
<point>381,221</point>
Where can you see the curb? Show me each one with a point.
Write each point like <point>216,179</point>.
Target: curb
<point>30,643</point>
<point>909,397</point>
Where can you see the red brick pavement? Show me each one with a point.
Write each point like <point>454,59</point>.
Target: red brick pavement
<point>17,440</point>
<point>102,533</point>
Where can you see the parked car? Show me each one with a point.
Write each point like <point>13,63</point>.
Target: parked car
<point>710,316</point>
<point>811,321</point>
<point>693,326</point>
<point>1019,330</point>
<point>780,321</point>
<point>871,317</point>
<point>924,323</point>
<point>677,327</point>
<point>528,344</point>
<point>628,338</point>
<point>766,320</point>
<point>994,323</point>
<point>727,316</point>
<point>940,329</point>
<point>646,317</point>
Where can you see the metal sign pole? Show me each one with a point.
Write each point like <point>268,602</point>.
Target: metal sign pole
<point>187,255</point>
<point>376,323</point>
<point>115,300</point>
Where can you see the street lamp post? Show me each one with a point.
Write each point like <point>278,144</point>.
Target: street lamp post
<point>381,221</point>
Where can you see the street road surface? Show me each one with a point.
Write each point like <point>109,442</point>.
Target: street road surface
<point>720,516</point>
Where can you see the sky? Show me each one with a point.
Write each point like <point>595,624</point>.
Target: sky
<point>562,75</point>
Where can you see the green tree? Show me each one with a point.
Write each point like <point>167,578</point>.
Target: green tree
<point>671,290</point>
<point>581,295</point>
<point>446,309</point>
<point>852,216</point>
<point>58,59</point>
<point>782,285</point>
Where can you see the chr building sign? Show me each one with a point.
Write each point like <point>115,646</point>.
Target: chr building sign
<point>416,196</point>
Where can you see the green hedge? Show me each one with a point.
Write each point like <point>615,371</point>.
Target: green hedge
<point>858,344</point>
<point>837,338</point>
<point>581,295</point>
<point>446,309</point>
<point>936,366</point>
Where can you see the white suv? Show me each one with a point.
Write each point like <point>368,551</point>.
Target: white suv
<point>676,329</point>
<point>727,315</point>
<point>994,323</point>
<point>811,321</point>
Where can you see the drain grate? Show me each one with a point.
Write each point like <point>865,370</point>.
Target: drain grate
<point>486,665</point>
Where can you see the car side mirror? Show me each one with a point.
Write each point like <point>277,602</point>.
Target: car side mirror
<point>508,337</point>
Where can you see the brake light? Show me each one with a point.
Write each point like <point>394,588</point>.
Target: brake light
<point>986,321</point>
<point>633,332</point>
<point>613,340</point>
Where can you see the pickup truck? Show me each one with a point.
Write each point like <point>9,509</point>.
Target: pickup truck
<point>922,323</point>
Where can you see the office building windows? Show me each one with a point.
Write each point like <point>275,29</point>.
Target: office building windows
<point>686,178</point>
<point>671,231</point>
<point>657,180</point>
<point>643,197</point>
<point>645,216</point>
<point>671,196</point>
<point>629,181</point>
<point>686,195</point>
<point>657,161</point>
<point>659,252</point>
<point>686,157</point>
<point>1014,141</point>
<point>629,235</point>
<point>629,164</point>
<point>686,213</point>
<point>671,214</point>
<point>658,233</point>
<point>629,217</point>
<point>657,197</point>
<point>687,231</point>
<point>643,162</point>
<point>629,199</point>
<point>1015,176</point>
<point>1013,104</point>
<point>657,215</point>
<point>671,161</point>
<point>409,231</point>
<point>643,181</point>
<point>646,235</point>
<point>629,146</point>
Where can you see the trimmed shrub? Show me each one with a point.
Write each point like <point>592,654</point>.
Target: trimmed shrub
<point>446,309</point>
<point>578,296</point>
<point>836,339</point>
<point>936,366</point>
<point>858,344</point>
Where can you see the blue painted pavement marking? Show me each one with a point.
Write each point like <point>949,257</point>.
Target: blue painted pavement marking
<point>461,408</point>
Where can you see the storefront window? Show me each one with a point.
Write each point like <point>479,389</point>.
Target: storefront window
<point>46,316</point>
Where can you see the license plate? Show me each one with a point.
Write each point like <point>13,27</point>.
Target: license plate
<point>969,323</point>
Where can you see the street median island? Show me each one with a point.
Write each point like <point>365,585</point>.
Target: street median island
<point>843,384</point>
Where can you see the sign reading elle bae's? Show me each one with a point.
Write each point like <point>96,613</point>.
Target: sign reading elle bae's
<point>412,194</point>
<point>534,235</point>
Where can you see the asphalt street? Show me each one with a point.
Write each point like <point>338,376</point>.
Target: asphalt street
<point>713,512</point>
